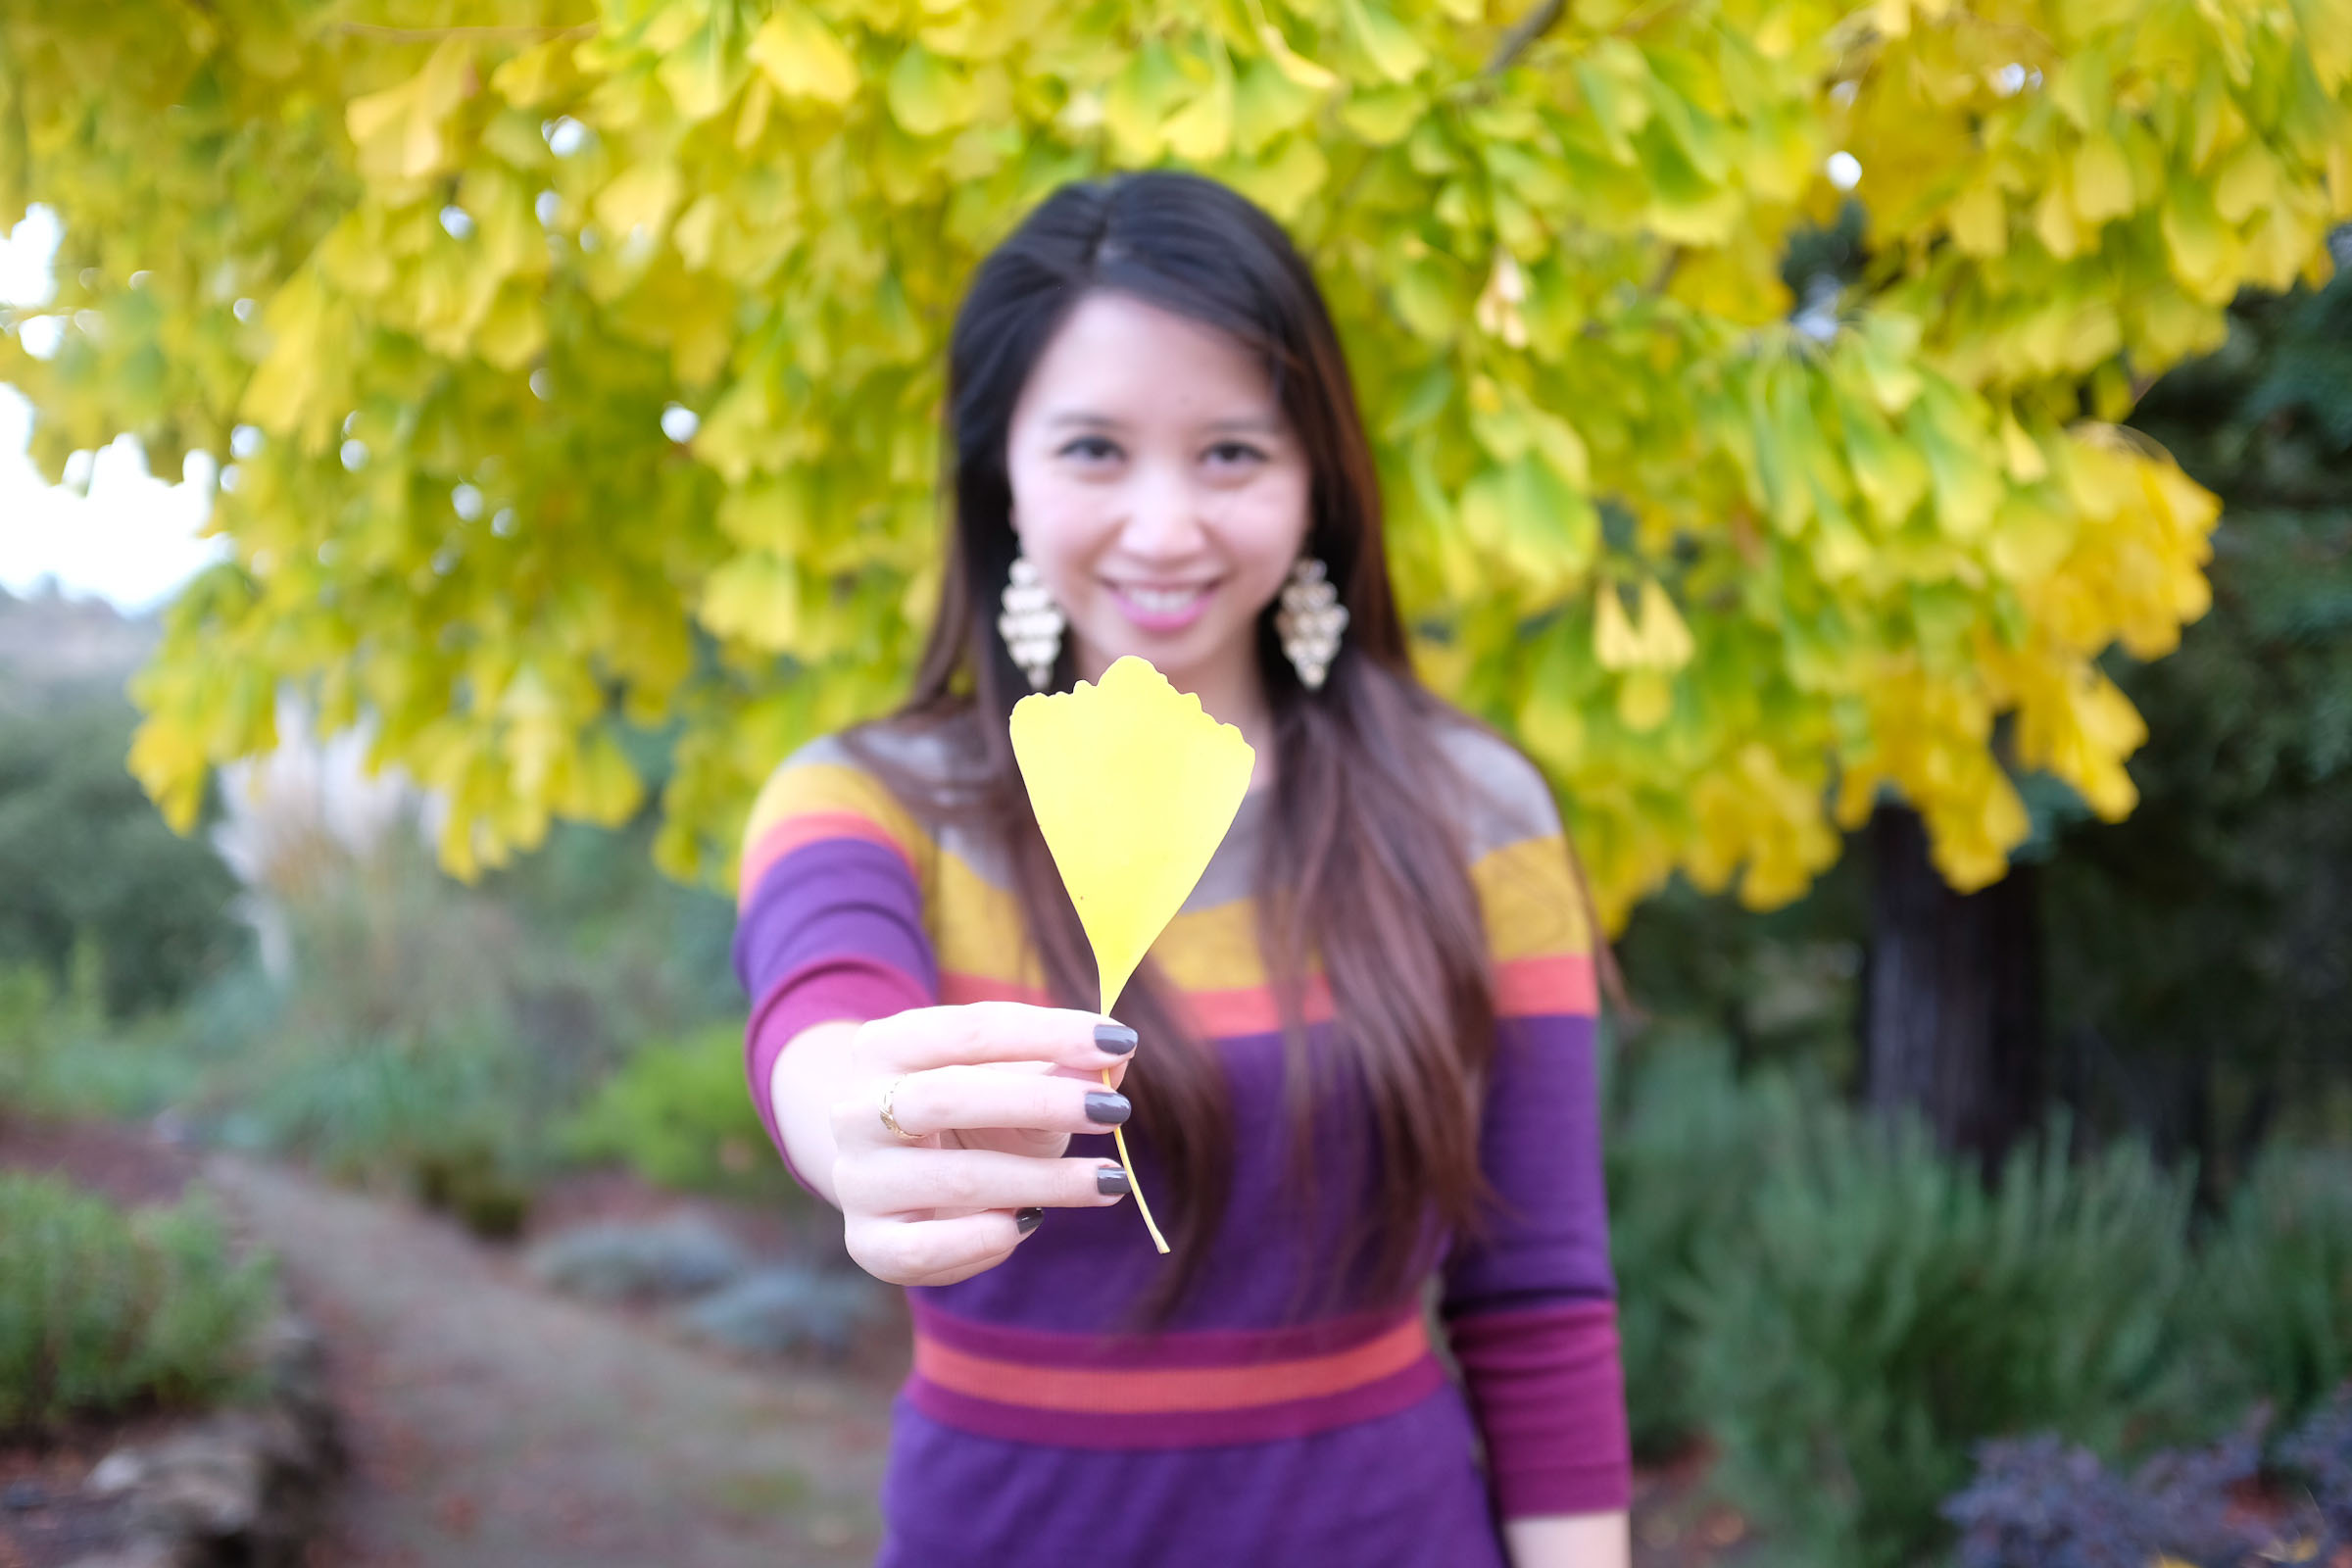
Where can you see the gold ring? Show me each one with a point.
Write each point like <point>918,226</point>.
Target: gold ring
<point>890,1121</point>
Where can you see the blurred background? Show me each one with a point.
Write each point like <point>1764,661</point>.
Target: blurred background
<point>1973,811</point>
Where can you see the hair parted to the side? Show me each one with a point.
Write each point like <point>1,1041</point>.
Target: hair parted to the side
<point>1362,870</point>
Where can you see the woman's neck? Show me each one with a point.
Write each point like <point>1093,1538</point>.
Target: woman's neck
<point>1231,691</point>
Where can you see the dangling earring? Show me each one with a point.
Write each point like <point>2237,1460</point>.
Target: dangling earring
<point>1310,622</point>
<point>1032,624</point>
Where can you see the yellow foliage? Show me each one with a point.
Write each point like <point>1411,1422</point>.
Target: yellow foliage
<point>454,275</point>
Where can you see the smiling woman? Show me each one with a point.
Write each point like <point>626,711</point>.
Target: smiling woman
<point>1358,1062</point>
<point>1161,492</point>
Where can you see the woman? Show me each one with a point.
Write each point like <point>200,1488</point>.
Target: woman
<point>1360,1063</point>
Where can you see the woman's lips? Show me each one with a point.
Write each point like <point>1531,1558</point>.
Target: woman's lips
<point>1157,608</point>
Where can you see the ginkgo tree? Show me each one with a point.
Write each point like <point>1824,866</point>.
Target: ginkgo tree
<point>577,369</point>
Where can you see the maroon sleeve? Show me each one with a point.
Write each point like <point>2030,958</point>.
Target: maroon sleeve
<point>1531,1303</point>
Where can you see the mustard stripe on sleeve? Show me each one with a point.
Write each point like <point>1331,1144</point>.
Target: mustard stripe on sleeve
<point>806,788</point>
<point>1527,895</point>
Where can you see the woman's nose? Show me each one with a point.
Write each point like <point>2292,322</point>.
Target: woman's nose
<point>1164,517</point>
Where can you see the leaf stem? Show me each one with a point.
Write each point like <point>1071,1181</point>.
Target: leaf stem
<point>1118,1136</point>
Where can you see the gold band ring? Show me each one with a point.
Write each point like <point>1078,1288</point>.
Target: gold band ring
<point>890,1122</point>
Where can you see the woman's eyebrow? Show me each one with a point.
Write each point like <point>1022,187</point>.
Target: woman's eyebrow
<point>1256,423</point>
<point>1084,418</point>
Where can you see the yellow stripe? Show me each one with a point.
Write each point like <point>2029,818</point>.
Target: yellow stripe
<point>793,789</point>
<point>977,928</point>
<point>1528,896</point>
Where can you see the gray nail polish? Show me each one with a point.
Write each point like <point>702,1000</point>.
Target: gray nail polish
<point>1028,1219</point>
<point>1106,1107</point>
<point>1111,1182</point>
<point>1115,1038</point>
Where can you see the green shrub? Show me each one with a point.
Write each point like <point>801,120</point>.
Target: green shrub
<point>1687,1145</point>
<point>62,1056</point>
<point>415,1025</point>
<point>86,859</point>
<point>100,1311</point>
<point>434,1037</point>
<point>678,1114</point>
<point>1885,1313</point>
<point>2276,1283</point>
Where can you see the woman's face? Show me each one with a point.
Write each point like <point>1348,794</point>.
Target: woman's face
<point>1158,489</point>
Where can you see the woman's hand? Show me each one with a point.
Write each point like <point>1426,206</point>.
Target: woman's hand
<point>988,1095</point>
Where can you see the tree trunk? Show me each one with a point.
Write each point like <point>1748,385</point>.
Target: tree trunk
<point>1952,1007</point>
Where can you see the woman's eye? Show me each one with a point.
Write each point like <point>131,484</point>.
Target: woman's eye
<point>1091,448</point>
<point>1234,454</point>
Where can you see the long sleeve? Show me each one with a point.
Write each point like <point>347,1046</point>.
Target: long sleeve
<point>829,921</point>
<point>1531,1303</point>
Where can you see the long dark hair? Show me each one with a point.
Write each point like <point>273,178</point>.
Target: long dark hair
<point>1363,869</point>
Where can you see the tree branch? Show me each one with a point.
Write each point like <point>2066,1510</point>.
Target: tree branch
<point>1526,31</point>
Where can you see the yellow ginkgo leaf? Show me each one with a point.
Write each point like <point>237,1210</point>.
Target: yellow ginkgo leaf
<point>1134,786</point>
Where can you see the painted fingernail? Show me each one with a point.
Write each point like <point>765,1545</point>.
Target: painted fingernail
<point>1028,1219</point>
<point>1106,1107</point>
<point>1115,1038</point>
<point>1111,1182</point>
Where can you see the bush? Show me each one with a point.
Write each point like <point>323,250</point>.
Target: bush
<point>417,1031</point>
<point>2038,1503</point>
<point>432,1036</point>
<point>678,1115</point>
<point>86,859</point>
<point>60,1057</point>
<point>101,1310</point>
<point>1883,1313</point>
<point>2276,1283</point>
<point>1689,1145</point>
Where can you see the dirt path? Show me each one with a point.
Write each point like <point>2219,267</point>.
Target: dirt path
<point>494,1424</point>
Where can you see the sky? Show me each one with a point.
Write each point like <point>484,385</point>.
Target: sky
<point>119,533</point>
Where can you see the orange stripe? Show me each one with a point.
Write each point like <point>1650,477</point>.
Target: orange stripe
<point>807,827</point>
<point>1561,983</point>
<point>1252,1010</point>
<point>1222,1388</point>
<point>955,990</point>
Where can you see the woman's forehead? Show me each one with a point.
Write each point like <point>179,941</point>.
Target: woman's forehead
<point>1121,357</point>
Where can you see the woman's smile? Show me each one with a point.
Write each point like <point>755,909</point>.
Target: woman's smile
<point>1159,607</point>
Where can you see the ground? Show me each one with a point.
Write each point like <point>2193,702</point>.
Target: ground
<point>494,1423</point>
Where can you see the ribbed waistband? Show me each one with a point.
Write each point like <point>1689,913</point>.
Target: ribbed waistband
<point>1174,1390</point>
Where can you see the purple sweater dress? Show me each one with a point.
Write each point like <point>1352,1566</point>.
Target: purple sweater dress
<point>1040,1425</point>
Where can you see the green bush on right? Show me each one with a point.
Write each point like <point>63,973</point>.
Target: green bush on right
<point>101,1312</point>
<point>2275,1285</point>
<point>1886,1313</point>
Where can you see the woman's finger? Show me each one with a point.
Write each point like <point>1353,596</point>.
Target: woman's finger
<point>958,1098</point>
<point>903,1181</point>
<point>991,1031</point>
<point>934,1252</point>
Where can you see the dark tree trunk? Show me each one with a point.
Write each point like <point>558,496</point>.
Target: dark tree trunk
<point>1952,1010</point>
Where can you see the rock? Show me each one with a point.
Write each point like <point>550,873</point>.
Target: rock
<point>786,1308</point>
<point>663,1259</point>
<point>205,1482</point>
<point>243,1486</point>
<point>117,1472</point>
<point>148,1551</point>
